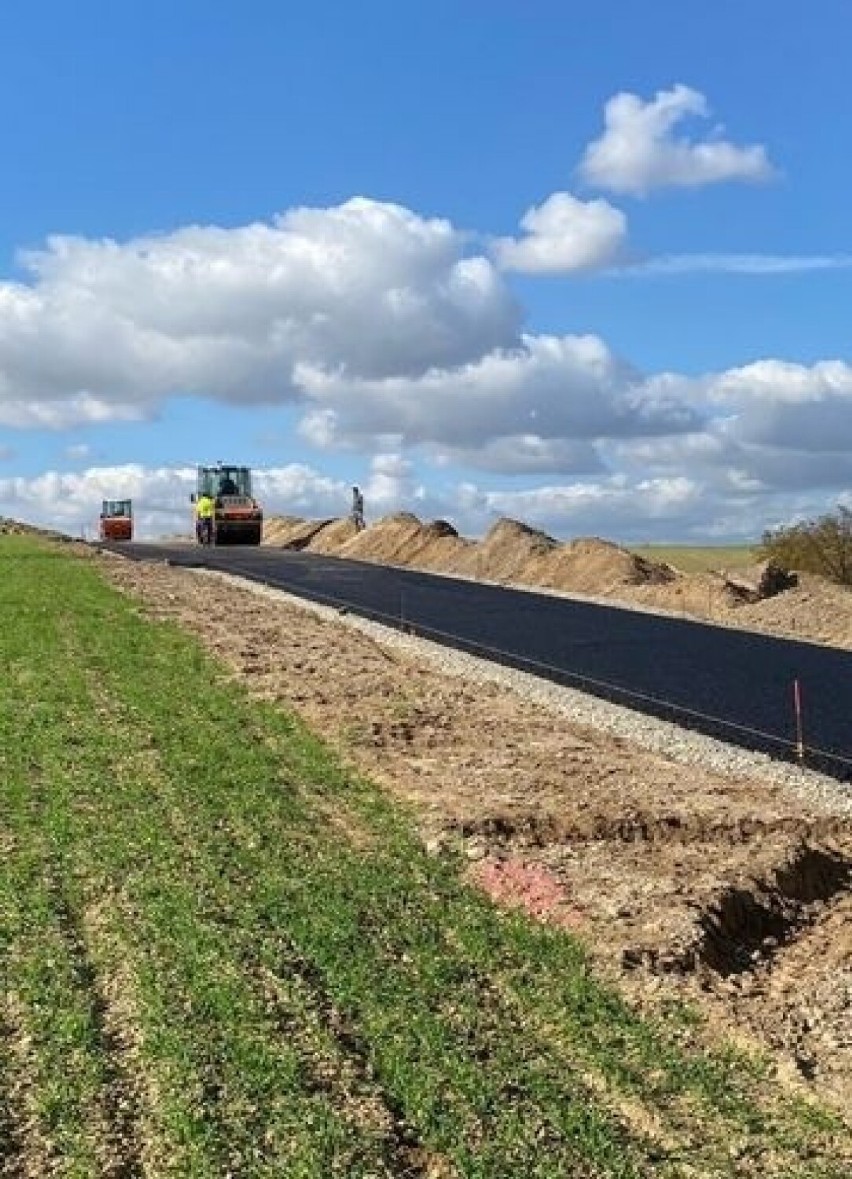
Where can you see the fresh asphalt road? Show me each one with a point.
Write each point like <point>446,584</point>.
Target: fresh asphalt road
<point>732,684</point>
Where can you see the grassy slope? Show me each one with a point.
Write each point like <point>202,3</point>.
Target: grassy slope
<point>223,955</point>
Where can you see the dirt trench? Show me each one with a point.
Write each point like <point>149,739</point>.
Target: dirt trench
<point>746,927</point>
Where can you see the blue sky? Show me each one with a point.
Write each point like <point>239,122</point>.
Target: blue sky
<point>658,352</point>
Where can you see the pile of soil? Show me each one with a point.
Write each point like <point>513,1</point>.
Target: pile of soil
<point>511,552</point>
<point>593,566</point>
<point>400,539</point>
<point>815,609</point>
<point>330,537</point>
<point>292,532</point>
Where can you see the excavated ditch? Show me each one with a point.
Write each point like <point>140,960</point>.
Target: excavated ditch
<point>746,927</point>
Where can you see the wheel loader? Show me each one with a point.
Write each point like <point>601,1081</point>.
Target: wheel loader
<point>238,517</point>
<point>116,520</point>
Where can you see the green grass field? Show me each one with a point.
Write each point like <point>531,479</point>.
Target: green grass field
<point>697,558</point>
<point>223,955</point>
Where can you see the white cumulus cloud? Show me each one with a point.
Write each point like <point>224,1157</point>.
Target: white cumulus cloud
<point>564,234</point>
<point>549,388</point>
<point>771,402</point>
<point>640,150</point>
<point>107,330</point>
<point>612,507</point>
<point>791,406</point>
<point>395,339</point>
<point>769,427</point>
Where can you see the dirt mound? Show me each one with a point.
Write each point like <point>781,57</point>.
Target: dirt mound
<point>756,582</point>
<point>292,532</point>
<point>593,566</point>
<point>390,539</point>
<point>401,539</point>
<point>815,609</point>
<point>330,536</point>
<point>511,552</point>
<point>277,529</point>
<point>700,595</point>
<point>507,552</point>
<point>443,548</point>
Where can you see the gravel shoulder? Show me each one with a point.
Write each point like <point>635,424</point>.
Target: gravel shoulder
<point>690,869</point>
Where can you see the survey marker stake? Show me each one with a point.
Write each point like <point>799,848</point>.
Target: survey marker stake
<point>797,709</point>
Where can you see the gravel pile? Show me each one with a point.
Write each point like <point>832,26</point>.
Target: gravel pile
<point>817,791</point>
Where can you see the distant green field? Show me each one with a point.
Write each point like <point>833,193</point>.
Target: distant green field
<point>223,954</point>
<point>698,558</point>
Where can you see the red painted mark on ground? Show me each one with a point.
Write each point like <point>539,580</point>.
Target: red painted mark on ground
<point>531,887</point>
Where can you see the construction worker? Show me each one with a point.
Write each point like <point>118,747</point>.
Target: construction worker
<point>205,513</point>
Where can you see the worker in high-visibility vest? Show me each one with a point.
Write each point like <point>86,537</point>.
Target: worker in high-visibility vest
<point>205,513</point>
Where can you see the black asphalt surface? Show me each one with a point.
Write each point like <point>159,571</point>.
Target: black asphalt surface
<point>731,684</point>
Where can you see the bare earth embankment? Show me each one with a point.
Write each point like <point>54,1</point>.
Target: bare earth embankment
<point>734,893</point>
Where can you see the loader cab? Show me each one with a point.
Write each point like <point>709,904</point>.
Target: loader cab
<point>116,520</point>
<point>223,480</point>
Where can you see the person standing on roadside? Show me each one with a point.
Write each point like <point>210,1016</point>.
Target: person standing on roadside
<point>357,515</point>
<point>205,512</point>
